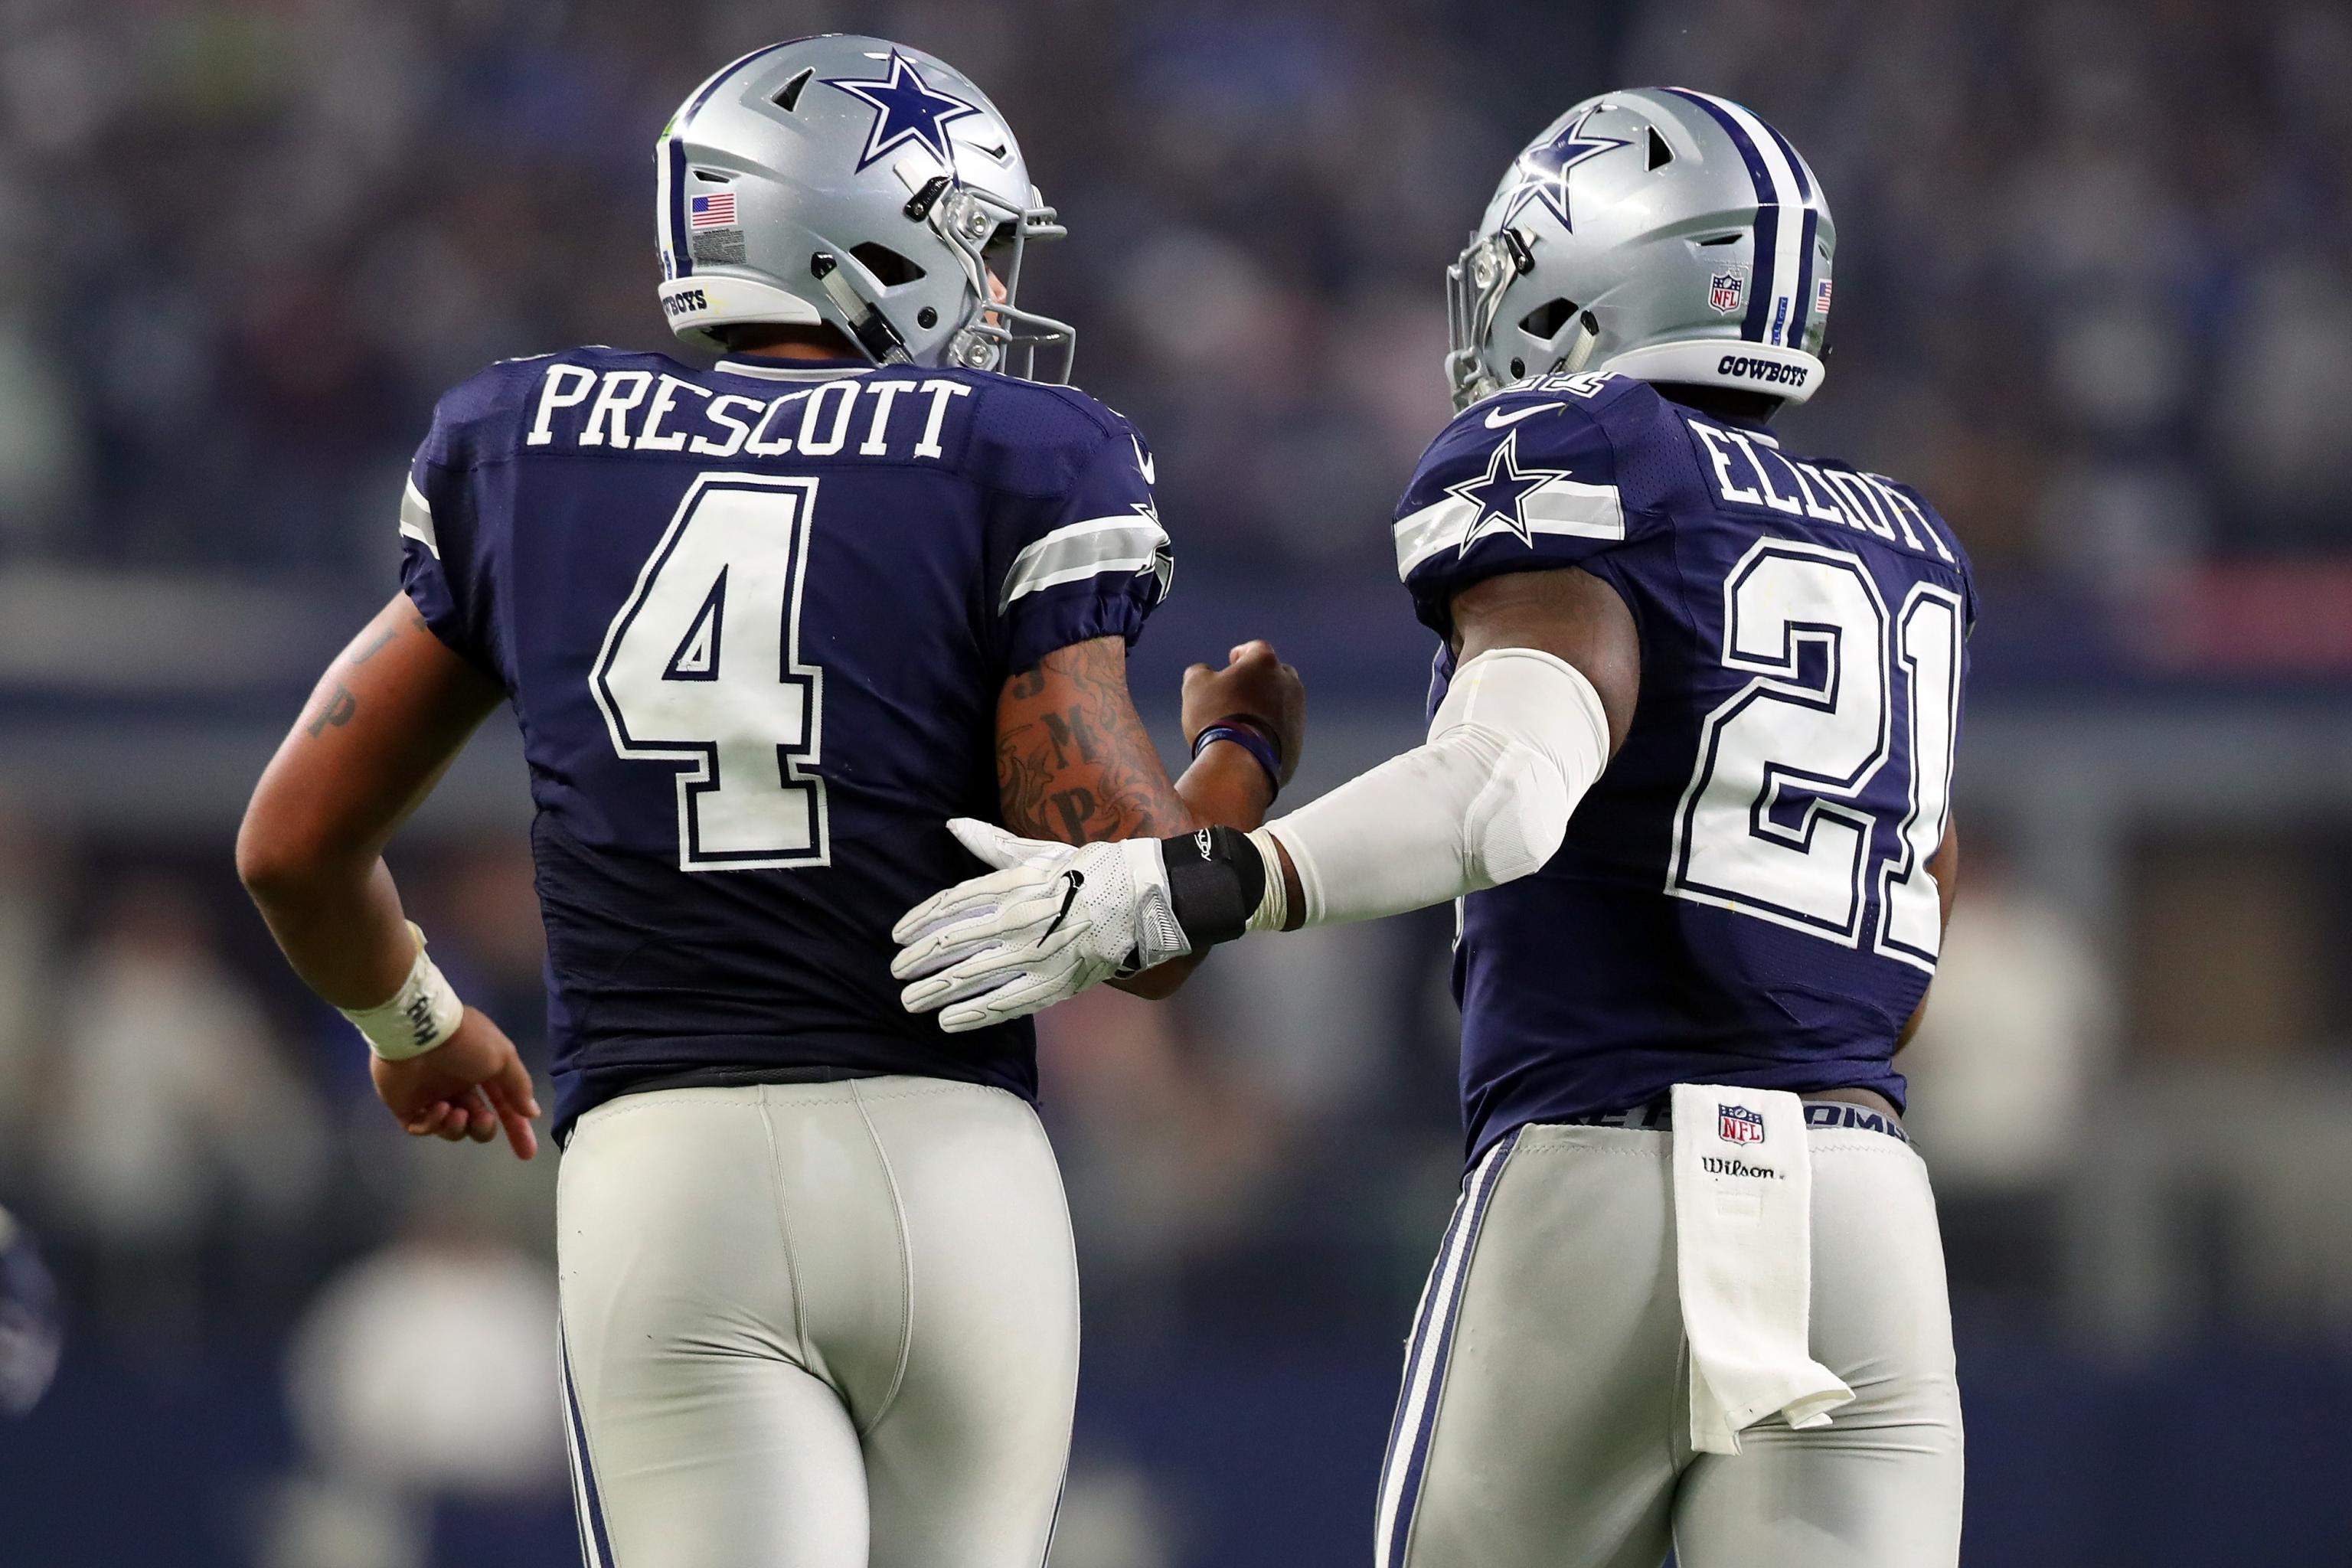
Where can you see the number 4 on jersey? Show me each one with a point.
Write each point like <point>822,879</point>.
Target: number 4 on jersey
<point>701,669</point>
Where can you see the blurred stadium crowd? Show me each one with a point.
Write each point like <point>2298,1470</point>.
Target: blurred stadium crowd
<point>2092,289</point>
<point>2094,294</point>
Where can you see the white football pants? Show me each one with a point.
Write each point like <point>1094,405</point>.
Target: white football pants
<point>816,1326</point>
<point>1545,1417</point>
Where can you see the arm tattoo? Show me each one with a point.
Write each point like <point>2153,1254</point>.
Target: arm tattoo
<point>383,641</point>
<point>1073,762</point>
<point>336,709</point>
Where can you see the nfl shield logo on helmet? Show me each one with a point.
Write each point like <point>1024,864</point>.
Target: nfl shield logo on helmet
<point>1738,1124</point>
<point>1727,291</point>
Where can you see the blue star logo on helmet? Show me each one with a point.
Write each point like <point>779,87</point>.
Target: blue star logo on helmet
<point>1500,494</point>
<point>1541,173</point>
<point>905,109</point>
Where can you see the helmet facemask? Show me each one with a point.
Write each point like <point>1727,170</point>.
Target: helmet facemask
<point>984,229</point>
<point>1476,285</point>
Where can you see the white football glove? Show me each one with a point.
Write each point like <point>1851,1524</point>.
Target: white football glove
<point>1052,921</point>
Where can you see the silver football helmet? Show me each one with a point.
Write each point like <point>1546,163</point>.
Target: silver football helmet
<point>862,184</point>
<point>1659,233</point>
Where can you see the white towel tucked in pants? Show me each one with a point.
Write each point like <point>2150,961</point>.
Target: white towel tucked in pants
<point>1743,1257</point>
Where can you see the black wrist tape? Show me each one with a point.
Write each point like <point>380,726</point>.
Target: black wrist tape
<point>1216,879</point>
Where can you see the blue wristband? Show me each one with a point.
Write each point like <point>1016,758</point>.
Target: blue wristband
<point>1249,740</point>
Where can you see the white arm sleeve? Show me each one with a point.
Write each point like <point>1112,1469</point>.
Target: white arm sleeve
<point>1519,738</point>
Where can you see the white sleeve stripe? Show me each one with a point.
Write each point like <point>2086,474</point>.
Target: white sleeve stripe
<point>1130,543</point>
<point>1127,564</point>
<point>417,518</point>
<point>1075,529</point>
<point>1567,507</point>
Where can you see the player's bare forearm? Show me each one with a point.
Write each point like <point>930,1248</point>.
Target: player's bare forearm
<point>385,721</point>
<point>1074,763</point>
<point>1946,869</point>
<point>1225,787</point>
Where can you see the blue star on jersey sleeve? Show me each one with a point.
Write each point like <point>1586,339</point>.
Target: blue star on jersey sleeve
<point>1500,495</point>
<point>1522,482</point>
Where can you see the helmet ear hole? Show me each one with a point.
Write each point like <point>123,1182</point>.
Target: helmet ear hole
<point>1518,368</point>
<point>890,268</point>
<point>1546,319</point>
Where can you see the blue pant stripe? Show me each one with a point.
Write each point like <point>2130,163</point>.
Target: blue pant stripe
<point>1430,1308</point>
<point>596,1545</point>
<point>1471,1216</point>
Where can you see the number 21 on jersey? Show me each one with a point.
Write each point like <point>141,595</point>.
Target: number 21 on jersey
<point>1771,825</point>
<point>701,669</point>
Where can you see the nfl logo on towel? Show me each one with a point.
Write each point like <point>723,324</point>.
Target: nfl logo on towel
<point>1738,1124</point>
<point>1726,289</point>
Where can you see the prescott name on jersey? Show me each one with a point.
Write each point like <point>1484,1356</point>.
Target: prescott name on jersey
<point>755,621</point>
<point>1743,897</point>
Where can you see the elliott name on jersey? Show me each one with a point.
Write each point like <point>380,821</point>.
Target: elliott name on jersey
<point>1744,896</point>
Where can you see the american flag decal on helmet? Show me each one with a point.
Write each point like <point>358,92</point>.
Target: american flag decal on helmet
<point>711,212</point>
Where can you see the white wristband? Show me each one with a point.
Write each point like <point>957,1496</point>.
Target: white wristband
<point>421,1014</point>
<point>1273,911</point>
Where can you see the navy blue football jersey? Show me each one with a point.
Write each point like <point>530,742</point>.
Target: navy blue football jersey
<point>1744,896</point>
<point>755,621</point>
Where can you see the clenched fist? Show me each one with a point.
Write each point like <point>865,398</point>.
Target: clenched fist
<point>1254,685</point>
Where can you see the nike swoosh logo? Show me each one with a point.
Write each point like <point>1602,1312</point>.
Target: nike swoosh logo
<point>1151,477</point>
<point>1497,418</point>
<point>1075,880</point>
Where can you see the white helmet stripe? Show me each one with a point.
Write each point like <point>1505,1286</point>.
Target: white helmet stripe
<point>1784,315</point>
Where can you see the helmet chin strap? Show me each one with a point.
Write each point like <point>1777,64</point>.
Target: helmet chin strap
<point>868,326</point>
<point>1581,346</point>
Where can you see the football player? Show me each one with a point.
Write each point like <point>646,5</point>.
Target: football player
<point>1688,770</point>
<point>766,626</point>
